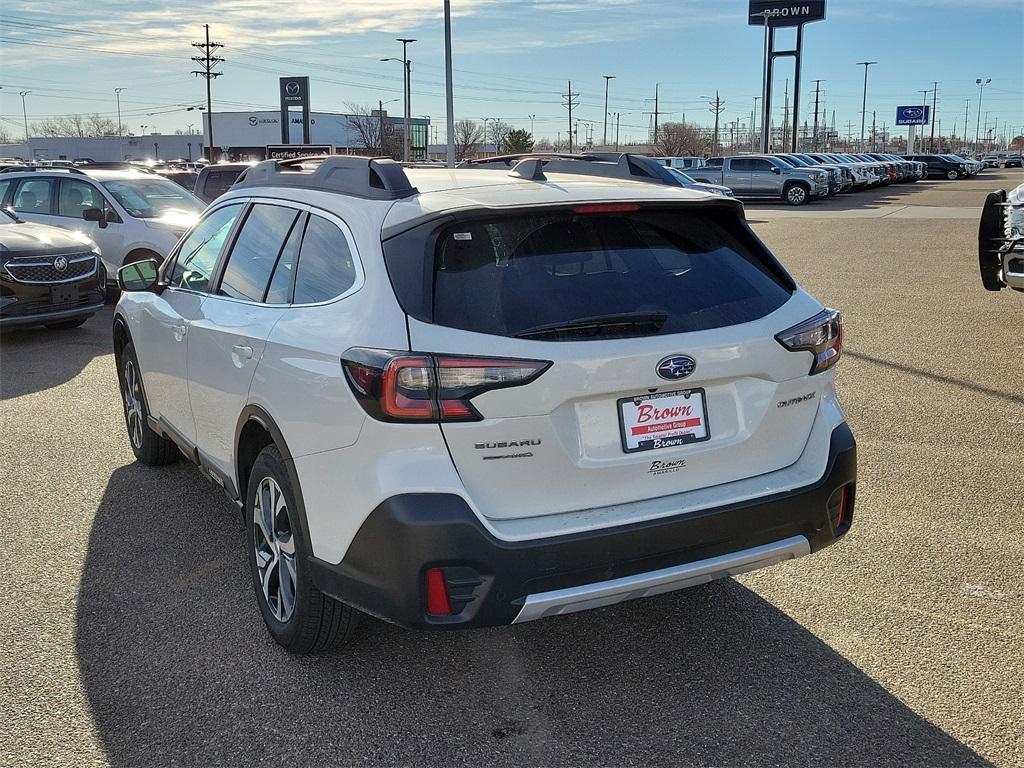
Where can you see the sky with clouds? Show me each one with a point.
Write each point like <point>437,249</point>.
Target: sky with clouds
<point>512,59</point>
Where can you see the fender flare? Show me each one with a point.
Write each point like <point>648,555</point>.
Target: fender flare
<point>253,412</point>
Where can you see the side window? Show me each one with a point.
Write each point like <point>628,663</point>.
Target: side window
<point>4,186</point>
<point>740,164</point>
<point>760,165</point>
<point>326,268</point>
<point>76,196</point>
<point>218,182</point>
<point>255,251</point>
<point>198,254</point>
<point>33,196</point>
<point>714,162</point>
<point>281,283</point>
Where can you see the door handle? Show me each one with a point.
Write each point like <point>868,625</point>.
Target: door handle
<point>242,351</point>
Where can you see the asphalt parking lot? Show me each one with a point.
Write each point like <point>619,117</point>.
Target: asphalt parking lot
<point>130,636</point>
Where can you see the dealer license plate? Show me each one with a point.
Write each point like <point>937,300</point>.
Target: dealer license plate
<point>663,420</point>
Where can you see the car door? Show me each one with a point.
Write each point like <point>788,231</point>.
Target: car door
<point>736,175</point>
<point>162,328</point>
<point>76,195</point>
<point>762,180</point>
<point>229,335</point>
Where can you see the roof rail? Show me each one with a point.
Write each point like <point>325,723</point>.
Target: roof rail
<point>376,178</point>
<point>46,168</point>
<point>612,165</point>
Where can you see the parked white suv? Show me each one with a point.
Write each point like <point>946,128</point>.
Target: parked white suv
<point>132,215</point>
<point>470,397</point>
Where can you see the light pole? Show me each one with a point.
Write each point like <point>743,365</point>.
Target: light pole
<point>618,117</point>
<point>532,118</point>
<point>448,88</point>
<point>484,121</point>
<point>607,79</point>
<point>120,125</point>
<point>981,92</point>
<point>864,102</point>
<point>24,111</point>
<point>408,90</point>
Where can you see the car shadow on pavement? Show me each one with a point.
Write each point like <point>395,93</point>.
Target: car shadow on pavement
<point>866,199</point>
<point>178,670</point>
<point>36,359</point>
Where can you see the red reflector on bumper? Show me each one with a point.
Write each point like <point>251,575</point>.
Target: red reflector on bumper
<point>437,593</point>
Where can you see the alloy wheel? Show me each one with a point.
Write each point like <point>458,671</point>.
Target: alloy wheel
<point>133,404</point>
<point>796,195</point>
<point>274,549</point>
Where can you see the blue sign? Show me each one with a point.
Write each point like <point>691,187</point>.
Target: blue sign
<point>913,115</point>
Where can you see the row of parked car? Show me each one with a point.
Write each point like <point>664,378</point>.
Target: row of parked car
<point>798,178</point>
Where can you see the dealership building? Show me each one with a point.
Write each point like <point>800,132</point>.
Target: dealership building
<point>246,135</point>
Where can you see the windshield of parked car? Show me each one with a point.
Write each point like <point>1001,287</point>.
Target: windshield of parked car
<point>151,198</point>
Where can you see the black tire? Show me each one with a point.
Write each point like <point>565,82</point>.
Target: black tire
<point>151,449</point>
<point>67,325</point>
<point>796,194</point>
<point>315,622</point>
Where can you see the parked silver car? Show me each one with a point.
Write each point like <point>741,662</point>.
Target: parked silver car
<point>764,176</point>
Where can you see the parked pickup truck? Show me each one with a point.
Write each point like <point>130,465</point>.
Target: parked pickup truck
<point>762,176</point>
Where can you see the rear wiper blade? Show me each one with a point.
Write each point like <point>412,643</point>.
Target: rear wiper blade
<point>598,324</point>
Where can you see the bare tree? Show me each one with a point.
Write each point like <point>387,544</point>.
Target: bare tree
<point>375,133</point>
<point>78,126</point>
<point>497,132</point>
<point>5,137</point>
<point>468,135</point>
<point>679,140</point>
<point>543,145</point>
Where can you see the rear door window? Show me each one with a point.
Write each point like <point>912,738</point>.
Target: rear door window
<point>34,196</point>
<point>565,275</point>
<point>255,251</point>
<point>218,182</point>
<point>326,268</point>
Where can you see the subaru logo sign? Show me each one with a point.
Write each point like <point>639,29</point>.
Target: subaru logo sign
<point>60,263</point>
<point>676,367</point>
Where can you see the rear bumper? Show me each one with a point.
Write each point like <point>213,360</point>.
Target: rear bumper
<point>493,582</point>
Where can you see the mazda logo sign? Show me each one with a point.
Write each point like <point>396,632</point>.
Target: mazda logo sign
<point>60,263</point>
<point>676,367</point>
<point>292,89</point>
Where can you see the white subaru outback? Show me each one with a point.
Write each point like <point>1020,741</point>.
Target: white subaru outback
<point>454,398</point>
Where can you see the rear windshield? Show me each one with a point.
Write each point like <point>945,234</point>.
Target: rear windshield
<point>565,275</point>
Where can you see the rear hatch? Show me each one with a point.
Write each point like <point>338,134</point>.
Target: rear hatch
<point>654,327</point>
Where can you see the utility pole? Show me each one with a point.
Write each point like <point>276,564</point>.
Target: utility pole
<point>607,79</point>
<point>873,118</point>
<point>753,123</point>
<point>208,61</point>
<point>924,102</point>
<point>656,85</point>
<point>569,100</point>
<point>967,109</point>
<point>717,107</point>
<point>817,96</point>
<point>935,102</point>
<point>380,126</point>
<point>618,116</point>
<point>448,88</point>
<point>864,101</point>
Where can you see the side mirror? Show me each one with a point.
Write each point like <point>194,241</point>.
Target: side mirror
<point>95,214</point>
<point>776,169</point>
<point>139,276</point>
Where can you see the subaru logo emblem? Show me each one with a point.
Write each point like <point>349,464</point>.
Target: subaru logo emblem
<point>913,112</point>
<point>60,263</point>
<point>676,367</point>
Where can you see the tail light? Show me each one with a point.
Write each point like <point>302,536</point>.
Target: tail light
<point>396,386</point>
<point>822,335</point>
